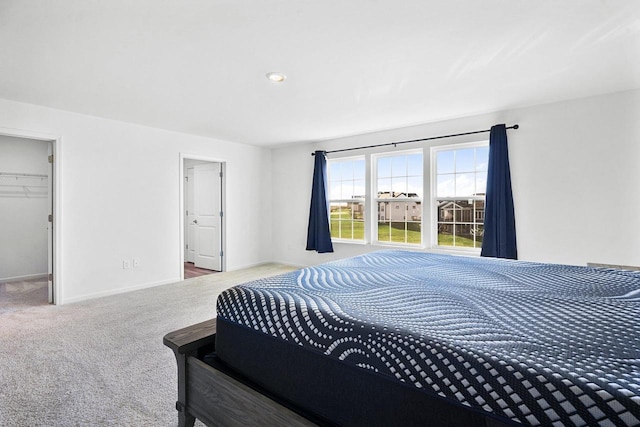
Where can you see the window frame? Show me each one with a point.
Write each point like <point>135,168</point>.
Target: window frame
<point>434,217</point>
<point>362,200</point>
<point>429,220</point>
<point>374,219</point>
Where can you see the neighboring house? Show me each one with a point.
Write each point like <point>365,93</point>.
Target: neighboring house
<point>461,211</point>
<point>399,209</point>
<point>354,209</point>
<point>358,208</point>
<point>467,215</point>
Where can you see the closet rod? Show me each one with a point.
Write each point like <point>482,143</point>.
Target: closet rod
<point>29,175</point>
<point>414,140</point>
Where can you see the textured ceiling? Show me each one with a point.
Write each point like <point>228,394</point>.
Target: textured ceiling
<point>198,66</point>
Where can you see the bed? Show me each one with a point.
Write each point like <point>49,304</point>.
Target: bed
<point>412,338</point>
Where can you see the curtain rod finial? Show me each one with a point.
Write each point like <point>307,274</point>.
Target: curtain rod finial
<point>516,126</point>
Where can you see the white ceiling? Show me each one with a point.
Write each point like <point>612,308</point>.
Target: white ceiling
<point>352,66</point>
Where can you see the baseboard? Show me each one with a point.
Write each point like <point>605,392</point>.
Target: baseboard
<point>258,264</point>
<point>290,264</point>
<point>117,291</point>
<point>242,267</point>
<point>70,300</point>
<point>25,277</point>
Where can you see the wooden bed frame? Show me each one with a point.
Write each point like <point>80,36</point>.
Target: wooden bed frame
<point>213,397</point>
<point>217,399</point>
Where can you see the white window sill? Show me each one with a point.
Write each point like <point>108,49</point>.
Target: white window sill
<point>416,247</point>
<point>454,251</point>
<point>349,242</point>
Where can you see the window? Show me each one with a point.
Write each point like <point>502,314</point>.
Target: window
<point>399,197</point>
<point>394,181</point>
<point>459,178</point>
<point>347,191</point>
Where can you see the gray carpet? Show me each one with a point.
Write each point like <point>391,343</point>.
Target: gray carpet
<point>102,362</point>
<point>21,294</point>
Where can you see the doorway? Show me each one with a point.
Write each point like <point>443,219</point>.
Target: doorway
<point>202,217</point>
<point>26,208</point>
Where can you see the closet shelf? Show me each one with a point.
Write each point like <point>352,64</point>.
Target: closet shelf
<point>23,185</point>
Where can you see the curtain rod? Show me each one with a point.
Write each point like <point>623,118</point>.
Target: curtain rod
<point>414,140</point>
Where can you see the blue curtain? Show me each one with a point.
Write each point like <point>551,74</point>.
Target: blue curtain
<point>499,238</point>
<point>318,234</point>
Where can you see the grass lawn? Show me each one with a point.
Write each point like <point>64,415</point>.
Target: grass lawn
<point>344,227</point>
<point>461,241</point>
<point>348,229</point>
<point>343,214</point>
<point>396,233</point>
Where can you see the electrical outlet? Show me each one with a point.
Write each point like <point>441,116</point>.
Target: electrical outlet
<point>126,264</point>
<point>136,262</point>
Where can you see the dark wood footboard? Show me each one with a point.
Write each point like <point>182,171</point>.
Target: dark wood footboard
<point>213,397</point>
<point>217,399</point>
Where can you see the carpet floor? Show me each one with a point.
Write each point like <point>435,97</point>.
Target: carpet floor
<point>102,362</point>
<point>21,294</point>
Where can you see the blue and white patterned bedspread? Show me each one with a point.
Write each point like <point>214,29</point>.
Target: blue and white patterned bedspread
<point>540,344</point>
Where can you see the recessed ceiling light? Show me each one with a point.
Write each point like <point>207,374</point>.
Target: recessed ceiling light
<point>276,77</point>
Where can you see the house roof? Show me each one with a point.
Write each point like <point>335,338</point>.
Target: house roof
<point>449,204</point>
<point>395,195</point>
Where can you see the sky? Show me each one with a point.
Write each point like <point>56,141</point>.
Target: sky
<point>462,172</point>
<point>459,173</point>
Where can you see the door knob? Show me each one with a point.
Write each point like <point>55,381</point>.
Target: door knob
<point>195,221</point>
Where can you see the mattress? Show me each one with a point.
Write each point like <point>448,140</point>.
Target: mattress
<point>537,344</point>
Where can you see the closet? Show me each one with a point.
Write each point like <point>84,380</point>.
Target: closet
<point>25,206</point>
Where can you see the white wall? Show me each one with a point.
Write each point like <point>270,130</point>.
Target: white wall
<point>574,170</point>
<point>120,198</point>
<point>23,220</point>
<point>575,175</point>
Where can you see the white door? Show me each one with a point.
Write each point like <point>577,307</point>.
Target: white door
<point>50,222</point>
<point>208,216</point>
<point>191,225</point>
